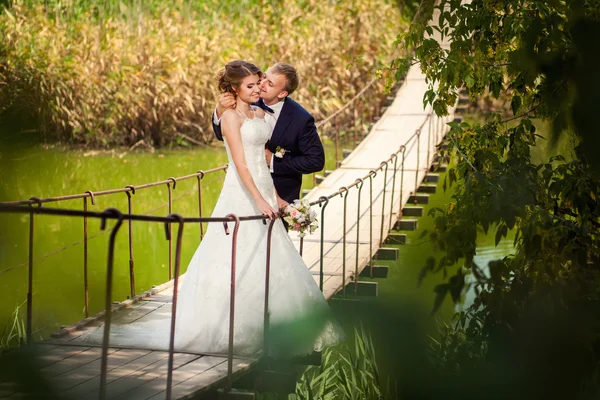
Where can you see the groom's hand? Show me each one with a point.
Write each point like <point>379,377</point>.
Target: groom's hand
<point>281,204</point>
<point>226,100</point>
<point>268,157</point>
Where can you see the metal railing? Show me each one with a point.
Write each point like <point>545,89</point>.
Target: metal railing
<point>113,214</point>
<point>415,140</point>
<point>129,190</point>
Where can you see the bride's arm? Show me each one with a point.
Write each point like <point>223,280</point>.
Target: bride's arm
<point>231,130</point>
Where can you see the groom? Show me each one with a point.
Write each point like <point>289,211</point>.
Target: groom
<point>294,132</point>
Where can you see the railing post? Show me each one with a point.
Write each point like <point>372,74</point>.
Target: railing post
<point>427,165</point>
<point>29,327</point>
<point>372,174</point>
<point>200,177</point>
<point>266,322</point>
<point>86,292</point>
<point>360,184</point>
<point>321,264</point>
<point>180,220</point>
<point>130,232</point>
<point>172,180</point>
<point>232,217</point>
<point>343,190</point>
<point>403,151</point>
<point>385,163</point>
<point>395,157</point>
<point>418,159</point>
<point>108,296</point>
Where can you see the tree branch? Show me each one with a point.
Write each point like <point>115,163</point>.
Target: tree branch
<point>526,113</point>
<point>571,213</point>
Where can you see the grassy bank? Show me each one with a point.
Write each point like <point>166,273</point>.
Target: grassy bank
<point>121,72</point>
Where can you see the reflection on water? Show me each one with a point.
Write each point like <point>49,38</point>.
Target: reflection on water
<point>486,252</point>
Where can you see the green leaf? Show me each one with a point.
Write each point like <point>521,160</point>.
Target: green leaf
<point>500,233</point>
<point>452,176</point>
<point>440,291</point>
<point>515,104</point>
<point>470,81</point>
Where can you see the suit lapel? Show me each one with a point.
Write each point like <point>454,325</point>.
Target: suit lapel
<point>282,122</point>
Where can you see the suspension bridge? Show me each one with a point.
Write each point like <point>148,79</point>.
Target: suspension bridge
<point>378,187</point>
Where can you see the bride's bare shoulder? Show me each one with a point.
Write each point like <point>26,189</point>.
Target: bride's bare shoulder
<point>231,118</point>
<point>229,115</point>
<point>230,121</point>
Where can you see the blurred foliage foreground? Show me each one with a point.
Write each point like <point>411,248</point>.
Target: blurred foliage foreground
<point>117,72</point>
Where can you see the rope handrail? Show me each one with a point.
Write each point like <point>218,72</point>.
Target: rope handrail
<point>9,208</point>
<point>129,188</point>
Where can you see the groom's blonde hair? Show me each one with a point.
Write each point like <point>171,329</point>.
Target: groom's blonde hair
<point>291,76</point>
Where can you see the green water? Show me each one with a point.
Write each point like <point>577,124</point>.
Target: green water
<point>401,289</point>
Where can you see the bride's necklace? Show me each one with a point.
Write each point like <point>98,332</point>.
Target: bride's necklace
<point>251,116</point>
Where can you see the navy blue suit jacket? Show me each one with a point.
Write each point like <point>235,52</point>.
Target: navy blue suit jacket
<point>295,131</point>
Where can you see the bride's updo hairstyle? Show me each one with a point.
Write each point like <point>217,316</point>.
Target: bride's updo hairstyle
<point>232,75</point>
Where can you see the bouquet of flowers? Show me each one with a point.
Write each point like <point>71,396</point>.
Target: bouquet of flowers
<point>300,217</point>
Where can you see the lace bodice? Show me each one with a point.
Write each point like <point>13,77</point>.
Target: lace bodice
<point>255,133</point>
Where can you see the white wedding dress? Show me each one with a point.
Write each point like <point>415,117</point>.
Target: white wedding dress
<point>300,318</point>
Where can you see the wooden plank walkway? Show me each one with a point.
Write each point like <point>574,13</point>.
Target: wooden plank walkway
<point>135,373</point>
<point>73,366</point>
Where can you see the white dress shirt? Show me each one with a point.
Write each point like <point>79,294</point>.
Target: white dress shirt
<point>270,119</point>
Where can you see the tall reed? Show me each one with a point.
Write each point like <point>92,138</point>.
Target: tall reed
<point>344,373</point>
<point>14,332</point>
<point>120,72</point>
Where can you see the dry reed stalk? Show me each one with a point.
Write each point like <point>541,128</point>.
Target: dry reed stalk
<point>104,81</point>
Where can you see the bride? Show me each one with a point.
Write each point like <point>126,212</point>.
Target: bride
<point>300,319</point>
<point>299,315</point>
